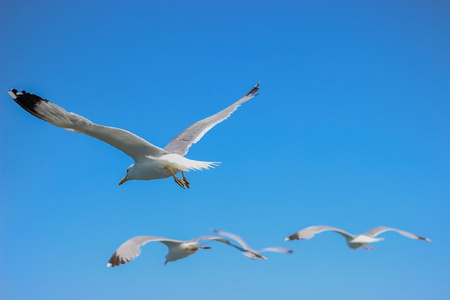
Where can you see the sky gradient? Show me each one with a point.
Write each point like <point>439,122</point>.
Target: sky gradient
<point>351,129</point>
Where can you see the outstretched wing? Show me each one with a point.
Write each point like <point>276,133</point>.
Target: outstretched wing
<point>129,143</point>
<point>132,248</point>
<point>275,249</point>
<point>234,237</point>
<point>191,135</point>
<point>309,232</point>
<point>210,238</point>
<point>378,230</point>
<point>225,241</point>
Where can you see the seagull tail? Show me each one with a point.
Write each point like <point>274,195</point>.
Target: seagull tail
<point>185,164</point>
<point>202,165</point>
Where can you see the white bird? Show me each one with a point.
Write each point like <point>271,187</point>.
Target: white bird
<point>250,253</point>
<point>354,241</point>
<point>177,249</point>
<point>150,161</point>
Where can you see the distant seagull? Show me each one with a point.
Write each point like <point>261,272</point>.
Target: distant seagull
<point>177,249</point>
<point>150,161</point>
<point>354,241</point>
<point>250,253</point>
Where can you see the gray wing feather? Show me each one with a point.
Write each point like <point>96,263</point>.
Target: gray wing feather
<point>191,135</point>
<point>234,237</point>
<point>225,241</point>
<point>132,248</point>
<point>309,232</point>
<point>378,230</point>
<point>209,237</point>
<point>129,143</point>
<point>275,249</point>
<point>245,247</point>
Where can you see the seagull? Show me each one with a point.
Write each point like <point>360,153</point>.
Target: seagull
<point>177,249</point>
<point>354,241</point>
<point>150,161</point>
<point>250,253</point>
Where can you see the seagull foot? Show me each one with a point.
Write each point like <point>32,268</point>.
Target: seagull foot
<point>365,248</point>
<point>186,182</point>
<point>177,180</point>
<point>180,182</point>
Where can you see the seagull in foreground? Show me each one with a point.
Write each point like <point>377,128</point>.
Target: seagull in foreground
<point>177,249</point>
<point>354,241</point>
<point>150,161</point>
<point>250,253</point>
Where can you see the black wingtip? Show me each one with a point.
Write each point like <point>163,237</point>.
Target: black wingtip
<point>115,260</point>
<point>292,237</point>
<point>259,256</point>
<point>253,90</point>
<point>27,101</point>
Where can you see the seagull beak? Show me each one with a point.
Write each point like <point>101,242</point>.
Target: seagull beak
<point>123,180</point>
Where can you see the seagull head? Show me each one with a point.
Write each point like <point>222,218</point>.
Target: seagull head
<point>129,175</point>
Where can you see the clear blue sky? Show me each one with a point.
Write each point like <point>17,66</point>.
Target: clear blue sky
<point>351,129</point>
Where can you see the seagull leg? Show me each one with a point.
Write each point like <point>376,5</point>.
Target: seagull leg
<point>177,180</point>
<point>365,248</point>
<point>188,185</point>
<point>192,248</point>
<point>370,247</point>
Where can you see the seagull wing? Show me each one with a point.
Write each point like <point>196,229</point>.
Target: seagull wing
<point>245,248</point>
<point>129,143</point>
<point>191,135</point>
<point>210,238</point>
<point>275,249</point>
<point>132,248</point>
<point>234,237</point>
<point>309,232</point>
<point>225,241</point>
<point>378,230</point>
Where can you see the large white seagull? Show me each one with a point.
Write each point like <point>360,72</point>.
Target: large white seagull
<point>150,161</point>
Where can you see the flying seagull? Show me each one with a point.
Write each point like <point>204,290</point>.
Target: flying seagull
<point>150,161</point>
<point>177,249</point>
<point>250,253</point>
<point>354,241</point>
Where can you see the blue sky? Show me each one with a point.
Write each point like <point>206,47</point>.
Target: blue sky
<point>351,129</point>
